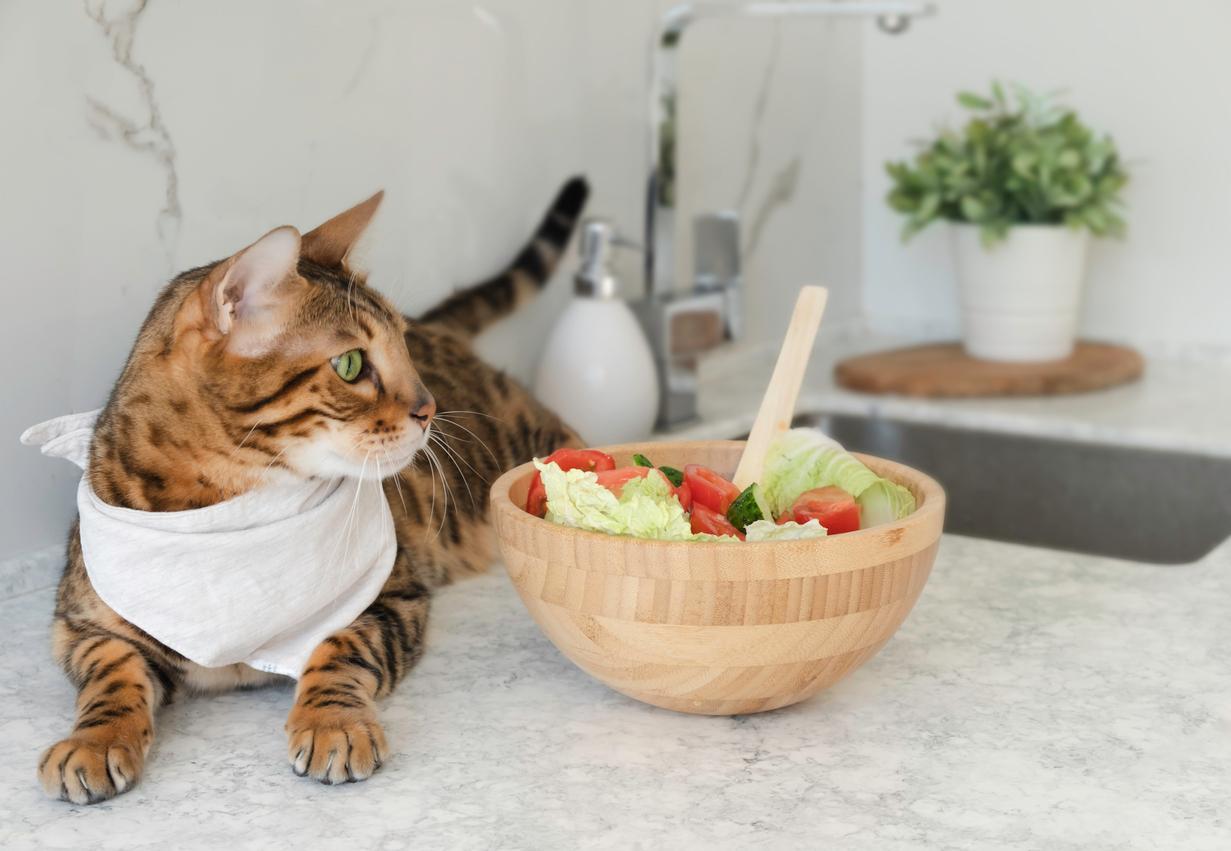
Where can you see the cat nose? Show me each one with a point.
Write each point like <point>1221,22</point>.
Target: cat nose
<point>422,411</point>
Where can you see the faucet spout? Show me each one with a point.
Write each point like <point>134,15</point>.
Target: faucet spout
<point>682,321</point>
<point>892,15</point>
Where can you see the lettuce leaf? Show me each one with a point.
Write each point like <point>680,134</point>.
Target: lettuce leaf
<point>883,502</point>
<point>768,530</point>
<point>804,458</point>
<point>646,508</point>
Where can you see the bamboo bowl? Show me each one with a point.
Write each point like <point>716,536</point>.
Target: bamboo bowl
<point>718,628</point>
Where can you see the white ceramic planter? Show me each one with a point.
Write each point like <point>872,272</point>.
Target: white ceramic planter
<point>1020,298</point>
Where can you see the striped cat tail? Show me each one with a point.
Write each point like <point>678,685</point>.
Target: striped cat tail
<point>474,308</point>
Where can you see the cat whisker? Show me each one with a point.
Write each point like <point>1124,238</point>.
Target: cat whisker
<point>240,445</point>
<point>452,457</point>
<point>477,414</point>
<point>445,490</point>
<point>273,461</point>
<point>431,474</point>
<point>480,440</point>
<point>352,520</point>
<point>350,517</point>
<point>394,288</point>
<point>397,484</point>
<point>448,491</point>
<point>439,426</point>
<point>344,534</point>
<point>434,463</point>
<point>350,296</point>
<point>379,483</point>
<point>458,456</point>
<point>450,497</point>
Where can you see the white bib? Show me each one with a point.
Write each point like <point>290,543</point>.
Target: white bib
<point>261,579</point>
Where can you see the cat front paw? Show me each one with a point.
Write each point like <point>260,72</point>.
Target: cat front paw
<point>87,770</point>
<point>334,745</point>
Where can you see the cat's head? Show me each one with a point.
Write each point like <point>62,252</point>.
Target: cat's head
<point>301,362</point>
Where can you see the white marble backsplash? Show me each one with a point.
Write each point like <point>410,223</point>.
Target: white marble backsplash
<point>163,135</point>
<point>148,136</point>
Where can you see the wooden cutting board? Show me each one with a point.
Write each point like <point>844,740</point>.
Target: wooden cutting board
<point>945,370</point>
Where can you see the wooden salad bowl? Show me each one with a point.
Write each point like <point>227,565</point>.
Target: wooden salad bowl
<point>718,628</point>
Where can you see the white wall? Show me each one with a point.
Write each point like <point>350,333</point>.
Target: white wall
<point>468,114</point>
<point>1152,74</point>
<point>779,141</point>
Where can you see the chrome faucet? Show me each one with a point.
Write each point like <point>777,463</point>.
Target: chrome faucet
<point>683,323</point>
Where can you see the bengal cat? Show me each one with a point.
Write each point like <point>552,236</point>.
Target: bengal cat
<point>237,375</point>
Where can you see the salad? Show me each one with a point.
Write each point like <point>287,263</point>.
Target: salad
<point>811,487</point>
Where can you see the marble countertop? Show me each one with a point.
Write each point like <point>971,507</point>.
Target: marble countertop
<point>1181,403</point>
<point>1033,699</point>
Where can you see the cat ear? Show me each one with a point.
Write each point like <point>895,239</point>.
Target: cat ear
<point>242,295</point>
<point>329,244</point>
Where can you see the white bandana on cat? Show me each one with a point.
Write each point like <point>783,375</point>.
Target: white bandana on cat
<point>261,579</point>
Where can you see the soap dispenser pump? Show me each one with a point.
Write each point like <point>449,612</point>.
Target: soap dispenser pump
<point>597,371</point>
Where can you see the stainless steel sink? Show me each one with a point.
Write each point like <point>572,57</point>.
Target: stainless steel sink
<point>1144,505</point>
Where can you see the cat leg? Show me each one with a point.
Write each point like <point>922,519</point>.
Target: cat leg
<point>120,685</point>
<point>333,733</point>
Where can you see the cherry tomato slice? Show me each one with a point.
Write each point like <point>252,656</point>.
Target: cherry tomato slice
<point>568,459</point>
<point>581,459</point>
<point>833,507</point>
<point>709,488</point>
<point>684,494</point>
<point>614,480</point>
<point>536,496</point>
<point>706,521</point>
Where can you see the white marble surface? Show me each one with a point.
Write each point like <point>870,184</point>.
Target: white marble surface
<point>1033,700</point>
<point>1183,402</point>
<point>157,136</point>
<point>30,572</point>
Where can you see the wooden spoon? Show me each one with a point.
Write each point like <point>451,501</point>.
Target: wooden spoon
<point>778,403</point>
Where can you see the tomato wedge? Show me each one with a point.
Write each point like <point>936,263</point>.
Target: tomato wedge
<point>710,489</point>
<point>614,481</point>
<point>581,459</point>
<point>833,507</point>
<point>536,497</point>
<point>568,459</point>
<point>684,494</point>
<point>708,522</point>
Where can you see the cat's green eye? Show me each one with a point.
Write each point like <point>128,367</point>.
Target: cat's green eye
<point>348,365</point>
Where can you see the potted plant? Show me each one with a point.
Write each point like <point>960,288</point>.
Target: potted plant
<point>1023,185</point>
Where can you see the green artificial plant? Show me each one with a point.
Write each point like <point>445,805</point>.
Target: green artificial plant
<point>1019,160</point>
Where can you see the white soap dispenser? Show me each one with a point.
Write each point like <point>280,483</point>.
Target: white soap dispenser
<point>597,371</point>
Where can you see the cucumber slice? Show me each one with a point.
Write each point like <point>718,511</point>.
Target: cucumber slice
<point>749,507</point>
<point>641,461</point>
<point>674,476</point>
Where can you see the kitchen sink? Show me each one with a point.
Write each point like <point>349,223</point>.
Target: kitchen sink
<point>1139,504</point>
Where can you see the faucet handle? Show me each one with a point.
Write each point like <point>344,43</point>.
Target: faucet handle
<point>716,265</point>
<point>716,258</point>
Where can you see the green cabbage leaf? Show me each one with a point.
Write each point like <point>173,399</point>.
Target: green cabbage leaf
<point>645,508</point>
<point>768,530</point>
<point>804,459</point>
